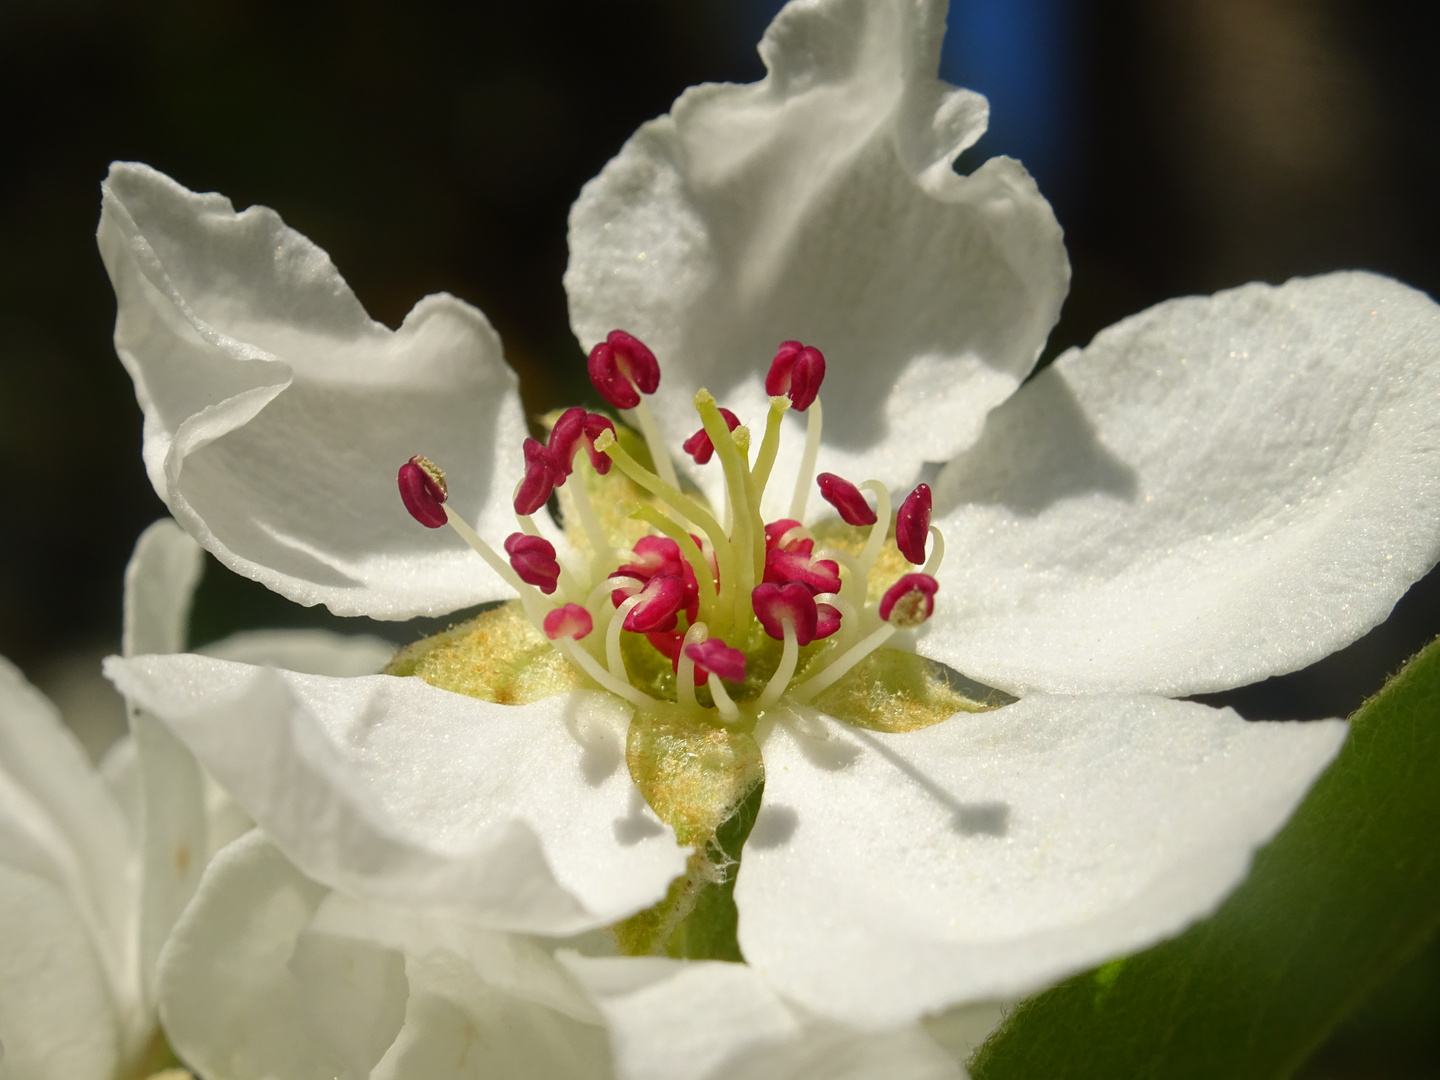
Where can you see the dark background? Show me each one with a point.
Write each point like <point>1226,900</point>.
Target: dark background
<point>1187,145</point>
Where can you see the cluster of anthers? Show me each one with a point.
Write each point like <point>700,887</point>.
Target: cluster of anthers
<point>714,599</point>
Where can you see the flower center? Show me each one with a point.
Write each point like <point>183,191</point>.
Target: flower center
<point>745,613</point>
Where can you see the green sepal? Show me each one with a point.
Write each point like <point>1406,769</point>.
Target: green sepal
<point>1347,891</point>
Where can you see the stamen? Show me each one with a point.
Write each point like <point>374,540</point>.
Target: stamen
<point>937,551</point>
<point>912,524</point>
<point>775,605</point>
<point>797,372</point>
<point>613,658</point>
<point>685,667</point>
<point>621,368</point>
<point>813,422</point>
<point>571,621</point>
<point>715,657</point>
<point>543,474</point>
<point>588,664</point>
<point>910,601</point>
<point>690,510</point>
<point>788,535</point>
<point>707,588</point>
<point>817,575</point>
<point>533,560</point>
<point>699,446</point>
<point>841,664</point>
<point>789,655</point>
<point>423,491</point>
<point>860,577</point>
<point>603,553</point>
<point>529,597</point>
<point>728,712</point>
<point>846,499</point>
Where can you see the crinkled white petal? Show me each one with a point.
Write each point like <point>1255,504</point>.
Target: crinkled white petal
<point>270,974</point>
<point>1216,490</point>
<point>57,1015</point>
<point>820,204</point>
<point>517,817</point>
<point>61,824</point>
<point>707,1020</point>
<point>277,412</point>
<point>985,857</point>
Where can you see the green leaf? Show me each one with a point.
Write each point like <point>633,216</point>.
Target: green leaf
<point>1344,894</point>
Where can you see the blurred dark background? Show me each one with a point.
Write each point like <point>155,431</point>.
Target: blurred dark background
<point>1187,145</point>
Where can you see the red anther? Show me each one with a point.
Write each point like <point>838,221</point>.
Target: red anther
<point>543,475</point>
<point>699,446</point>
<point>594,425</point>
<point>619,366</point>
<point>713,655</point>
<point>846,498</point>
<point>668,644</point>
<point>653,555</point>
<point>775,537</point>
<point>564,437</point>
<point>423,491</point>
<point>661,599</point>
<point>571,621</point>
<point>776,604</point>
<point>797,372</point>
<point>827,620</point>
<point>533,558</point>
<point>912,524</point>
<point>910,601</point>
<point>817,575</point>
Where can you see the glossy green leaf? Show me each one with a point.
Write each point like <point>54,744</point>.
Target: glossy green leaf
<point>1347,891</point>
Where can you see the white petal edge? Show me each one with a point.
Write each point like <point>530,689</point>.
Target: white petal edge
<point>889,876</point>
<point>277,412</point>
<point>516,817</point>
<point>821,204</point>
<point>1216,490</point>
<point>707,1020</point>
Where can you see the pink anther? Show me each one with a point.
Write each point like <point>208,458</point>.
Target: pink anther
<point>423,491</point>
<point>827,620</point>
<point>699,446</point>
<point>712,654</point>
<point>661,599</point>
<point>653,555</point>
<point>797,372</point>
<point>565,437</point>
<point>571,621</point>
<point>622,368</point>
<point>776,537</point>
<point>817,575</point>
<point>846,498</point>
<point>912,525</point>
<point>533,558</point>
<point>594,425</point>
<point>776,605</point>
<point>910,601</point>
<point>543,475</point>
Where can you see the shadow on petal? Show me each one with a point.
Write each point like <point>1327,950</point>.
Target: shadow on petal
<point>1036,449</point>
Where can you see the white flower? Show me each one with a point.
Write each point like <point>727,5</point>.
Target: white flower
<point>1214,491</point>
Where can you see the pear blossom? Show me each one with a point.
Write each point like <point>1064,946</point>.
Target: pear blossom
<point>1215,490</point>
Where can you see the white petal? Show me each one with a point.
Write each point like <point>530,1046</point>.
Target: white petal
<point>1216,490</point>
<point>704,1020</point>
<point>520,818</point>
<point>277,412</point>
<point>160,582</point>
<point>57,1020</point>
<point>238,994</point>
<point>60,823</point>
<point>893,875</point>
<point>820,204</point>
